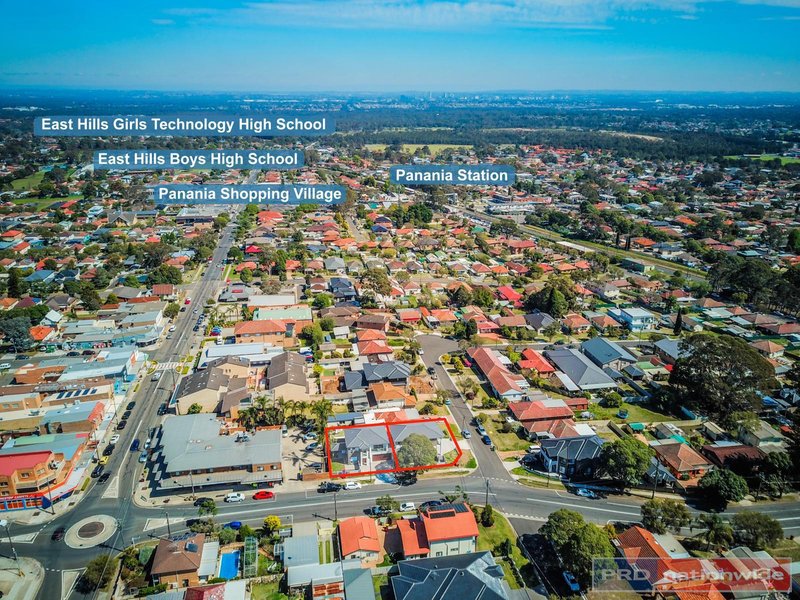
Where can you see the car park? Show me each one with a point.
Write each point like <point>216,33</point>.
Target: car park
<point>58,534</point>
<point>352,485</point>
<point>406,506</point>
<point>234,497</point>
<point>264,495</point>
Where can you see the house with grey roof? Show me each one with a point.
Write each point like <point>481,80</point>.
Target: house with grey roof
<point>463,577</point>
<point>607,354</point>
<point>195,451</point>
<point>539,321</point>
<point>577,373</point>
<point>570,457</point>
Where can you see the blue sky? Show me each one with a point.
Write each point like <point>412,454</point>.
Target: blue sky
<point>402,45</point>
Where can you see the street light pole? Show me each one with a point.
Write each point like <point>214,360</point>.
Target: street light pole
<point>4,523</point>
<point>335,507</point>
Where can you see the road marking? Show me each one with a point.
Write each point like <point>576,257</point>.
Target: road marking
<point>68,580</point>
<point>585,507</point>
<point>25,538</point>
<point>112,490</point>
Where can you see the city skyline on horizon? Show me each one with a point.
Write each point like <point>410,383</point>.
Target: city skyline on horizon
<point>397,46</point>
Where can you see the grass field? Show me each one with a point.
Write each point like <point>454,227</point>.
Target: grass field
<point>785,160</point>
<point>41,203</point>
<point>411,148</point>
<point>786,549</point>
<point>28,183</point>
<point>267,591</point>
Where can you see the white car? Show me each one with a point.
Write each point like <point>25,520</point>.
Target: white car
<point>5,365</point>
<point>234,497</point>
<point>352,485</point>
<point>405,506</point>
<point>114,439</point>
<point>173,328</point>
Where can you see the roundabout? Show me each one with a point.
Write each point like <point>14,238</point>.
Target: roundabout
<point>91,531</point>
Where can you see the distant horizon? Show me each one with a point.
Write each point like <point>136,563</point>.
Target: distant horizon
<point>310,46</point>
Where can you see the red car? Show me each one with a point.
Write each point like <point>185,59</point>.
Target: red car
<point>264,495</point>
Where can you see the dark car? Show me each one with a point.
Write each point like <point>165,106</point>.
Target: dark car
<point>135,445</point>
<point>377,511</point>
<point>103,478</point>
<point>58,534</point>
<point>23,356</point>
<point>121,425</point>
<point>130,406</point>
<point>162,410</point>
<point>486,440</point>
<point>73,353</point>
<point>201,501</point>
<point>431,370</point>
<point>329,486</point>
<point>430,504</point>
<point>126,415</point>
<point>88,352</point>
<point>108,450</point>
<point>98,470</point>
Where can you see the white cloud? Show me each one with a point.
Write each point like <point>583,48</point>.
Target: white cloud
<point>163,22</point>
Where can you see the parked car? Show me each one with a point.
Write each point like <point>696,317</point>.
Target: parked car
<point>312,446</point>
<point>571,582</point>
<point>121,425</point>
<point>583,492</point>
<point>4,366</point>
<point>405,506</point>
<point>156,376</point>
<point>431,370</point>
<point>481,431</point>
<point>58,534</point>
<point>114,439</point>
<point>430,504</point>
<point>234,497</point>
<point>162,410</point>
<point>352,485</point>
<point>108,450</point>
<point>377,511</point>
<point>201,501</point>
<point>104,459</point>
<point>97,471</point>
<point>143,457</point>
<point>329,486</point>
<point>103,478</point>
<point>234,525</point>
<point>486,440</point>
<point>264,495</point>
<point>311,435</point>
<point>466,434</point>
<point>171,329</point>
<point>134,445</point>
<point>130,406</point>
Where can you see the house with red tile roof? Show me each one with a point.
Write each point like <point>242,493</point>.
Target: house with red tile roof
<point>575,323</point>
<point>505,384</point>
<point>531,359</point>
<point>446,530</point>
<point>358,538</point>
<point>509,294</point>
<point>681,461</point>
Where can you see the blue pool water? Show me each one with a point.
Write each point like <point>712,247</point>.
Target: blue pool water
<point>229,564</point>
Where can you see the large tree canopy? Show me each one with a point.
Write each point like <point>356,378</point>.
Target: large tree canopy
<point>719,376</point>
<point>625,460</point>
<point>416,451</point>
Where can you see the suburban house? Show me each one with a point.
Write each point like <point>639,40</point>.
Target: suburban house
<point>734,456</point>
<point>684,465</point>
<point>271,331</point>
<point>607,354</point>
<point>577,372</point>
<point>763,436</point>
<point>571,457</point>
<point>286,377</point>
<point>464,577</point>
<point>446,530</point>
<point>547,418</point>
<point>505,384</point>
<point>533,360</point>
<point>177,561</point>
<point>208,388</point>
<point>196,450</point>
<point>636,319</point>
<point>358,538</point>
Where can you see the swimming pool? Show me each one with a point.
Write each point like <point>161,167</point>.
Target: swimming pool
<point>229,564</point>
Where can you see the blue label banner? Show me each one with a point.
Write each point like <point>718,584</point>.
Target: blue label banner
<point>212,124</point>
<point>482,174</point>
<point>197,159</point>
<point>249,194</point>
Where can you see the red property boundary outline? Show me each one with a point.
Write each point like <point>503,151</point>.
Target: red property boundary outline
<point>396,469</point>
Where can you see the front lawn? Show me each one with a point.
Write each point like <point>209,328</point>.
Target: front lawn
<point>786,549</point>
<point>491,537</point>
<point>505,442</point>
<point>637,413</point>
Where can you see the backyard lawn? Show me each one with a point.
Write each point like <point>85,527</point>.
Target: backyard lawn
<point>637,413</point>
<point>383,589</point>
<point>267,591</point>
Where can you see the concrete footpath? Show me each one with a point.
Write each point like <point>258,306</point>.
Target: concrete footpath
<point>24,586</point>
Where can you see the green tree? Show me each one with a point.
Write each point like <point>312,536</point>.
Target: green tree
<point>322,301</point>
<point>721,486</point>
<point>90,299</point>
<point>678,323</point>
<point>17,331</point>
<point>560,525</point>
<point>487,516</point>
<point>720,375</point>
<point>662,514</point>
<point>194,409</point>
<point>756,530</point>
<point>583,548</point>
<point>98,574</point>
<point>376,281</point>
<point>16,287</point>
<point>246,276</point>
<point>245,531</point>
<point>171,310</point>
<point>483,297</point>
<point>226,535</point>
<point>716,533</point>
<point>207,507</point>
<point>625,460</point>
<point>387,503</point>
<point>416,451</point>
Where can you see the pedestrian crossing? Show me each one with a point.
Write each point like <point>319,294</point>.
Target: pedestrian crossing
<point>167,366</point>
